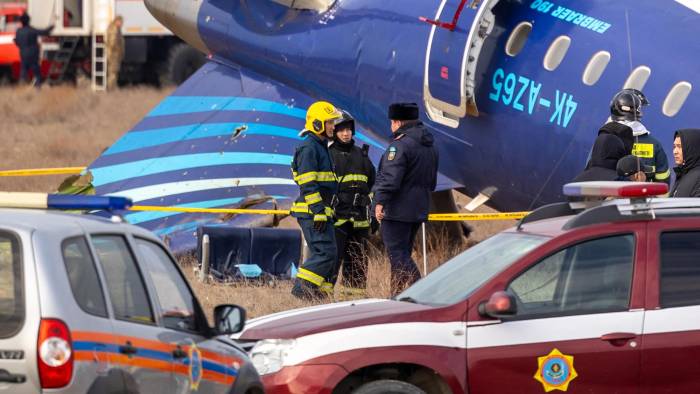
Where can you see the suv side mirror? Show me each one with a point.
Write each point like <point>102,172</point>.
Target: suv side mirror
<point>228,319</point>
<point>499,305</point>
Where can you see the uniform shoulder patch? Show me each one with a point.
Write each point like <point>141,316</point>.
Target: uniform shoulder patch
<point>392,153</point>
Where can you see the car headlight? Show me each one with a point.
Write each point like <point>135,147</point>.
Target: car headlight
<point>268,354</point>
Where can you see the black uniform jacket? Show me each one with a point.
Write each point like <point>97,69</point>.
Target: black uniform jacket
<point>26,39</point>
<point>607,150</point>
<point>688,174</point>
<point>312,169</point>
<point>407,175</point>
<point>355,173</point>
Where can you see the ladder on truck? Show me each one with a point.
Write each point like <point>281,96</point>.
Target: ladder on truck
<point>99,62</point>
<point>62,59</point>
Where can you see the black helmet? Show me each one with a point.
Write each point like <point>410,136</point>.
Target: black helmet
<point>346,122</point>
<point>627,105</point>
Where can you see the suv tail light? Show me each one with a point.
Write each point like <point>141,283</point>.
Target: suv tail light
<point>55,351</point>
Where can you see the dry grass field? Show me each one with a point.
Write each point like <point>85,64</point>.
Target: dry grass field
<point>66,126</point>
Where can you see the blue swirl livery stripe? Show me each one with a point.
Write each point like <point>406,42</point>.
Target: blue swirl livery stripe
<point>121,172</point>
<point>144,139</point>
<point>180,227</point>
<point>180,105</point>
<point>168,189</point>
<point>175,105</point>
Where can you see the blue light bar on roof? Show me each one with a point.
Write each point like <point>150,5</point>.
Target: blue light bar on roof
<point>62,201</point>
<point>65,201</point>
<point>615,189</point>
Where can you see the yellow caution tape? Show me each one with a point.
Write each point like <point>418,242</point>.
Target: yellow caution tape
<point>43,171</point>
<point>435,217</point>
<point>458,217</point>
<point>211,210</point>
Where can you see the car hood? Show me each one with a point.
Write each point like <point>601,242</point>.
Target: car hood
<point>306,321</point>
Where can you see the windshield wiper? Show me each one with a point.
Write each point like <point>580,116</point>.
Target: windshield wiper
<point>408,299</point>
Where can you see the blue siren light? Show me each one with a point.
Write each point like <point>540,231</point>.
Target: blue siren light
<point>110,203</point>
<point>63,201</point>
<point>615,189</point>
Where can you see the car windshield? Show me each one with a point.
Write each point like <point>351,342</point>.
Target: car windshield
<point>466,272</point>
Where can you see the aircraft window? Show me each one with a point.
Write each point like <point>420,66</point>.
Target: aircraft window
<point>316,5</point>
<point>595,68</point>
<point>676,98</point>
<point>517,38</point>
<point>556,52</point>
<point>638,78</point>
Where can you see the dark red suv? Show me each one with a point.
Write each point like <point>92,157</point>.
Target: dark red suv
<point>587,297</point>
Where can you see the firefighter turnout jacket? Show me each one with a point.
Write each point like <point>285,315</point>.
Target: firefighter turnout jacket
<point>312,170</point>
<point>355,174</point>
<point>650,152</point>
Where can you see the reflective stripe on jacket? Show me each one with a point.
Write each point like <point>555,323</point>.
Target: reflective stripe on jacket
<point>355,174</point>
<point>312,169</point>
<point>652,154</point>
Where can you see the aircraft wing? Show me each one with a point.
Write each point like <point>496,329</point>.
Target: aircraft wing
<point>223,139</point>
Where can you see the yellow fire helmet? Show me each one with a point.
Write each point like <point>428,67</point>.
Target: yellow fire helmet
<point>317,115</point>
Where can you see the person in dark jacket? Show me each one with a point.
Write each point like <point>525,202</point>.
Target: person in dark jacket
<point>27,40</point>
<point>686,153</point>
<point>312,169</point>
<point>355,173</point>
<point>607,150</point>
<point>406,177</point>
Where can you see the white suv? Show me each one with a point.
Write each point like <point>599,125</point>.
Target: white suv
<point>89,304</point>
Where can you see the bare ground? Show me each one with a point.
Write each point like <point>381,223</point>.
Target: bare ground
<point>66,126</point>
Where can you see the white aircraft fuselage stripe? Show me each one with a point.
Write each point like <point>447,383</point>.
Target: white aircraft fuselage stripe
<point>173,188</point>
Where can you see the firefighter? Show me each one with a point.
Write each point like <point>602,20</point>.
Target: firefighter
<point>406,177</point>
<point>355,174</point>
<point>626,108</point>
<point>26,39</point>
<point>312,169</point>
<point>114,47</point>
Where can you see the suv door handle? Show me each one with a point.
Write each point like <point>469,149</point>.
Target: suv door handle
<point>7,377</point>
<point>618,338</point>
<point>128,349</point>
<point>179,353</point>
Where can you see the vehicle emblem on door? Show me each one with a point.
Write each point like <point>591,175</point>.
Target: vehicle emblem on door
<point>195,367</point>
<point>555,371</point>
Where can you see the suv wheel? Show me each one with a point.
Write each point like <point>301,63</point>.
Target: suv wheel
<point>388,386</point>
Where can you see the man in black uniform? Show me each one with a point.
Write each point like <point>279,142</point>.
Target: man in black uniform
<point>26,38</point>
<point>312,169</point>
<point>355,174</point>
<point>407,175</point>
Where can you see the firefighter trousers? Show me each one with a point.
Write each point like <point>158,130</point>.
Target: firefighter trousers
<point>352,255</point>
<point>318,269</point>
<point>398,240</point>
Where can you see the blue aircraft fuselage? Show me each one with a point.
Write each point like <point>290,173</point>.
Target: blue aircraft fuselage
<point>534,126</point>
